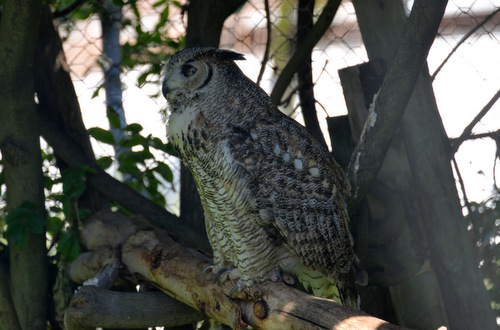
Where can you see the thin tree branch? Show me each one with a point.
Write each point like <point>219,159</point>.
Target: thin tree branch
<point>390,102</point>
<point>63,12</point>
<point>461,41</point>
<point>268,42</point>
<point>468,130</point>
<point>305,14</point>
<point>322,24</point>
<point>492,135</point>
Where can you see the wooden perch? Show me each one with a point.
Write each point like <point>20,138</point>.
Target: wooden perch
<point>178,271</point>
<point>93,307</point>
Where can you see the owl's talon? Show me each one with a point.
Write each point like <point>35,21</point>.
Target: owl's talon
<point>233,274</point>
<point>221,272</point>
<point>240,285</point>
<point>276,277</point>
<point>213,268</point>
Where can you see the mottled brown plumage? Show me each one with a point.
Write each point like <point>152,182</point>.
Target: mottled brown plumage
<point>272,194</point>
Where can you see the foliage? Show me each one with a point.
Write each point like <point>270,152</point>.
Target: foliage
<point>485,222</point>
<point>137,160</point>
<point>149,47</point>
<point>22,220</point>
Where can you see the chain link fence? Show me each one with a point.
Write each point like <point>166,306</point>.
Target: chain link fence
<point>470,77</point>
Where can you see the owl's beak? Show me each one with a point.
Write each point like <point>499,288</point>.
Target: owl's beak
<point>165,89</point>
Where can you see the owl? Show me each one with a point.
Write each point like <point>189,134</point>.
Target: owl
<point>272,195</point>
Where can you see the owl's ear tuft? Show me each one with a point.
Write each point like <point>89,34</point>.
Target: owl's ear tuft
<point>227,55</point>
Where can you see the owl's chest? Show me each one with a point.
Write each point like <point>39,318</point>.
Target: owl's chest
<point>188,131</point>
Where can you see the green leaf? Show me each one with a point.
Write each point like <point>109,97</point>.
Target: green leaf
<point>73,180</point>
<point>142,79</point>
<point>134,128</point>
<point>113,118</point>
<point>69,246</point>
<point>22,220</point>
<point>146,154</point>
<point>84,213</point>
<point>96,92</point>
<point>105,162</point>
<point>165,171</point>
<point>159,3</point>
<point>133,141</point>
<point>130,158</point>
<point>102,135</point>
<point>54,225</point>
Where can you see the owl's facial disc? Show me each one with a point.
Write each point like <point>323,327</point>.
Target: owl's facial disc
<point>184,79</point>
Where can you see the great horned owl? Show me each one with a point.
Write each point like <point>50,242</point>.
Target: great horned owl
<point>271,193</point>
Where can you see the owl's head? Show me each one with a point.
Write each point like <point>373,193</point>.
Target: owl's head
<point>191,70</point>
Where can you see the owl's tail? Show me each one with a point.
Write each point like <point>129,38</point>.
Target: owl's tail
<point>342,290</point>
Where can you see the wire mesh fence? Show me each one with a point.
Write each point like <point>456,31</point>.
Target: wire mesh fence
<point>470,77</point>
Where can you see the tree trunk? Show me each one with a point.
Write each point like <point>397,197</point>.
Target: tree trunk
<point>57,101</point>
<point>391,255</point>
<point>111,16</point>
<point>21,157</point>
<point>446,243</point>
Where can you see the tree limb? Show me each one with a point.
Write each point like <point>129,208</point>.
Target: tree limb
<point>305,14</point>
<point>468,130</point>
<point>462,40</point>
<point>7,311</point>
<point>93,307</point>
<point>300,55</point>
<point>270,305</point>
<point>390,102</point>
<point>492,135</point>
<point>268,42</point>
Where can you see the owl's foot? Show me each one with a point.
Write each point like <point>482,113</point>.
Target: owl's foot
<point>240,286</point>
<point>286,278</point>
<point>233,274</point>
<point>213,268</point>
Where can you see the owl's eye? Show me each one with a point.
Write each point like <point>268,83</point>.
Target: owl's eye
<point>188,70</point>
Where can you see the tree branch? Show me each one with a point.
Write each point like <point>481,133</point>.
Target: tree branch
<point>8,316</point>
<point>462,40</point>
<point>268,42</point>
<point>468,130</point>
<point>93,307</point>
<point>305,14</point>
<point>152,255</point>
<point>390,102</point>
<point>300,55</point>
<point>178,271</point>
<point>492,135</point>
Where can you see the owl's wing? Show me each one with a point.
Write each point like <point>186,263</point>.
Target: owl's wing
<point>298,190</point>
